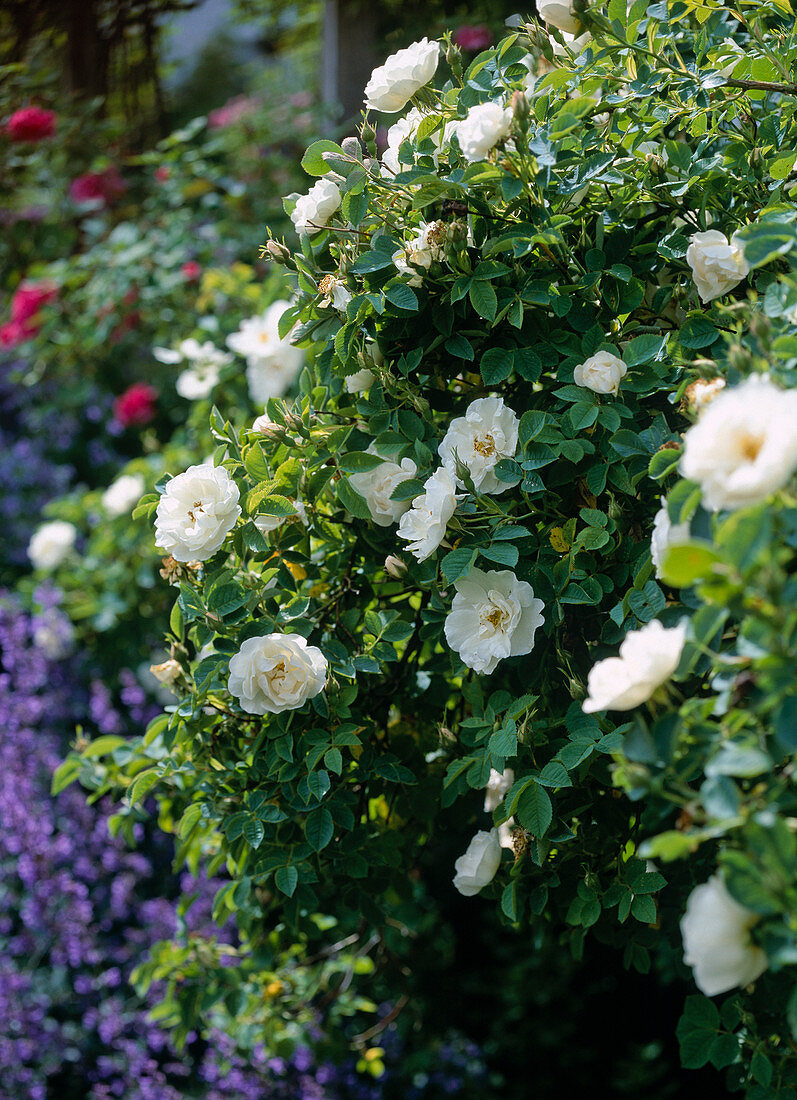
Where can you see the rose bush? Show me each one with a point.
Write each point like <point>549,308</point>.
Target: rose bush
<point>562,303</point>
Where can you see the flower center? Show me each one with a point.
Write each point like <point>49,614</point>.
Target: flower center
<point>751,445</point>
<point>195,507</point>
<point>495,616</point>
<point>484,445</point>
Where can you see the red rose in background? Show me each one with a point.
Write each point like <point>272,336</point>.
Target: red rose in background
<point>191,270</point>
<point>136,406</point>
<point>12,334</point>
<point>28,299</point>
<point>473,38</point>
<point>162,174</point>
<point>104,187</point>
<point>31,124</point>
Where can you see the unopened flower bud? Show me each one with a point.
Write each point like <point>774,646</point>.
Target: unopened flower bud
<point>520,109</point>
<point>368,134</point>
<point>278,252</point>
<point>395,567</point>
<point>454,60</point>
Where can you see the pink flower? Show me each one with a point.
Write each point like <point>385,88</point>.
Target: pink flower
<point>191,271</point>
<point>162,174</point>
<point>472,38</point>
<point>12,334</point>
<point>136,406</point>
<point>31,124</point>
<point>28,299</point>
<point>233,111</point>
<point>98,187</point>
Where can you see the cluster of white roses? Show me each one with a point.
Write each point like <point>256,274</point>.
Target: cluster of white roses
<point>493,614</point>
<point>269,673</point>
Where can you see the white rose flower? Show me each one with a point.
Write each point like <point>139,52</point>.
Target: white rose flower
<point>744,444</point>
<point>360,381</point>
<point>424,525</point>
<point>486,433</point>
<point>559,14</point>
<point>717,944</point>
<point>393,84</point>
<point>647,658</point>
<point>272,362</point>
<point>53,633</point>
<point>665,534</point>
<point>51,544</point>
<point>166,672</point>
<point>264,424</point>
<point>497,786</point>
<point>493,615</point>
<point>575,43</point>
<point>121,495</point>
<point>482,128</point>
<point>479,864</point>
<point>427,246</point>
<point>717,264</point>
<point>313,210</point>
<point>276,672</point>
<point>206,361</point>
<point>377,485</point>
<point>601,373</point>
<point>405,129</point>
<point>196,512</point>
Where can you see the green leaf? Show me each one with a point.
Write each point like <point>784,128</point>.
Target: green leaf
<point>314,163</point>
<point>402,296</point>
<point>254,832</point>
<point>104,745</point>
<point>642,349</point>
<point>687,563</point>
<point>286,880</point>
<point>483,299</point>
<point>509,901</point>
<point>351,499</point>
<point>142,785</point>
<point>318,828</point>
<point>697,332</point>
<point>534,810</point>
<point>457,562</point>
<point>496,365</point>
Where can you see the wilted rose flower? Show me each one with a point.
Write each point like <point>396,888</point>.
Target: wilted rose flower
<point>51,543</point>
<point>744,444</point>
<point>473,38</point>
<point>601,373</point>
<point>647,658</point>
<point>717,264</point>
<point>665,534</point>
<point>486,433</point>
<point>559,14</point>
<point>313,210</point>
<point>276,672</point>
<point>479,864</point>
<point>272,362</point>
<point>701,391</point>
<point>98,188</point>
<point>334,292</point>
<point>136,406</point>
<point>493,615</point>
<point>424,525</point>
<point>717,944</point>
<point>196,512</point>
<point>393,84</point>
<point>123,494</point>
<point>482,128</point>
<point>167,672</point>
<point>31,124</point>
<point>427,246</point>
<point>376,486</point>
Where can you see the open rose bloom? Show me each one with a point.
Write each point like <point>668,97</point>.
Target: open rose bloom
<point>276,672</point>
<point>393,84</point>
<point>493,616</point>
<point>196,512</point>
<point>717,942</point>
<point>648,657</point>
